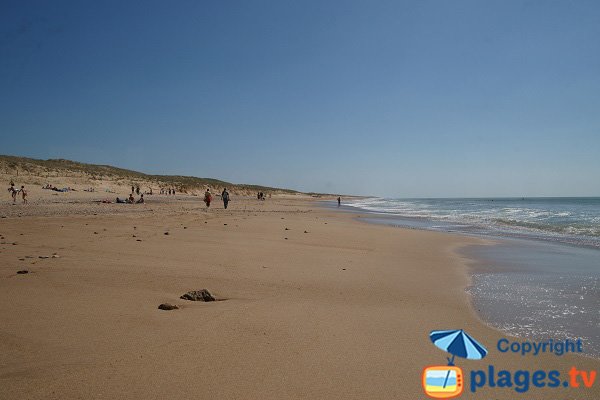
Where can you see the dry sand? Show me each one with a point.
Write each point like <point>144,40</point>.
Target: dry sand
<point>340,312</point>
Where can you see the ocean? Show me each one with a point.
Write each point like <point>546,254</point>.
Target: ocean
<point>571,220</point>
<point>542,278</point>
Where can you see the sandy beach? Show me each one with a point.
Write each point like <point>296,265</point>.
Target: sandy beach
<point>315,303</point>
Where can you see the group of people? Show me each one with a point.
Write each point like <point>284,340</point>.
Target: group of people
<point>131,199</point>
<point>261,196</point>
<point>52,187</point>
<point>14,192</point>
<point>136,190</point>
<point>224,197</point>
<point>170,191</point>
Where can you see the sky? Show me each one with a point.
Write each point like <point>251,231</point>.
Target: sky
<point>387,98</point>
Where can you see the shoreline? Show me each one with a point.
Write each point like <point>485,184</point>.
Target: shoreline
<point>485,263</point>
<point>341,311</point>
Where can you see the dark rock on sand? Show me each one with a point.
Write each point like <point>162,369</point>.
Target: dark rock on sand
<point>198,295</point>
<point>23,271</point>
<point>166,233</point>
<point>168,307</point>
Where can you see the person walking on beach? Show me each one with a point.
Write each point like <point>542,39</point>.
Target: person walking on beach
<point>207,198</point>
<point>13,191</point>
<point>225,197</point>
<point>24,194</point>
<point>339,201</point>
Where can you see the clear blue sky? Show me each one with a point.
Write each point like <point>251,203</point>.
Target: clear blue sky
<point>392,98</point>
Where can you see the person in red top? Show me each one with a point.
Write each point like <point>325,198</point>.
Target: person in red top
<point>207,198</point>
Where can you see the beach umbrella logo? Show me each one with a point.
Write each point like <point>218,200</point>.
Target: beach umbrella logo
<point>446,381</point>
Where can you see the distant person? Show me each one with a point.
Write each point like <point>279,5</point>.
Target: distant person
<point>132,189</point>
<point>141,200</point>
<point>339,201</point>
<point>173,191</point>
<point>120,201</point>
<point>24,194</point>
<point>131,199</point>
<point>13,191</point>
<point>225,197</point>
<point>137,190</point>
<point>207,198</point>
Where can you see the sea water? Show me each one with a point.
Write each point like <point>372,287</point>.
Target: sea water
<point>541,281</point>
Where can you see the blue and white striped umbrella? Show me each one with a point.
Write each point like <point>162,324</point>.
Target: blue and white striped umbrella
<point>458,343</point>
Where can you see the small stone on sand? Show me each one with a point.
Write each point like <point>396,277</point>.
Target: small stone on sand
<point>198,295</point>
<point>23,271</point>
<point>166,233</point>
<point>168,307</point>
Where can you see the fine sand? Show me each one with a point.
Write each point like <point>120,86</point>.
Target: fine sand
<point>331,308</point>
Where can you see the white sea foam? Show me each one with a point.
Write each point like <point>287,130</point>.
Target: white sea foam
<point>571,220</point>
